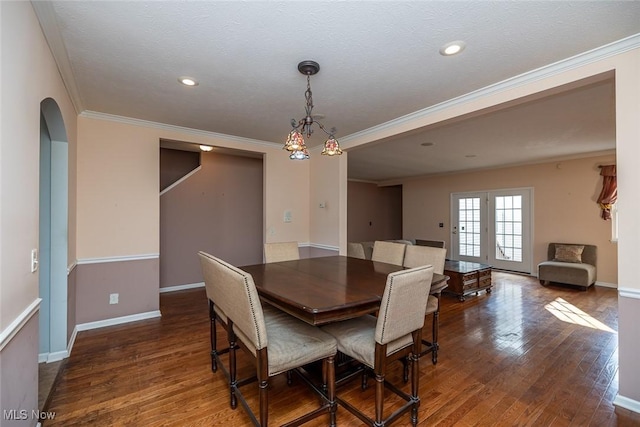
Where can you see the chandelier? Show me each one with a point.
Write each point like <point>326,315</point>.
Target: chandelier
<point>295,141</point>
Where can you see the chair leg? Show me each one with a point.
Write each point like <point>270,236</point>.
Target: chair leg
<point>379,369</point>
<point>415,377</point>
<point>233,383</point>
<point>263,385</point>
<point>330,385</point>
<point>213,336</point>
<point>434,342</point>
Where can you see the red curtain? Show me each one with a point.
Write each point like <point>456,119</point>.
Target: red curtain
<point>609,193</point>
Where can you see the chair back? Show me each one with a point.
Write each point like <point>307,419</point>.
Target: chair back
<point>282,251</point>
<point>404,302</point>
<point>355,250</point>
<point>589,254</point>
<point>432,243</point>
<point>415,256</point>
<point>389,252</point>
<point>234,291</point>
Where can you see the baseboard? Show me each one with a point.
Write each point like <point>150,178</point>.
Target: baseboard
<point>59,355</point>
<point>626,403</point>
<point>318,246</point>
<point>606,285</point>
<point>118,320</point>
<point>72,340</point>
<point>181,287</point>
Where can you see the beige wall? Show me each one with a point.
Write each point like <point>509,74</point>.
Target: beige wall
<point>118,182</point>
<point>325,181</point>
<point>29,75</point>
<point>564,203</point>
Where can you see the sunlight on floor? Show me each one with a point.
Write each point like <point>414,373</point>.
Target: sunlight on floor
<point>569,313</point>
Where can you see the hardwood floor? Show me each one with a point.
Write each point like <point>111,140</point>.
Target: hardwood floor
<point>522,355</point>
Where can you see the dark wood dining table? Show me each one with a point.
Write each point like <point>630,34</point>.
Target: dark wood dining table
<point>327,289</point>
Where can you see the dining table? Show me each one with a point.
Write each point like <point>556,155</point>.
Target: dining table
<point>327,289</point>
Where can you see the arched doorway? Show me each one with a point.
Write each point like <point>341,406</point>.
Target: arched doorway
<point>53,233</point>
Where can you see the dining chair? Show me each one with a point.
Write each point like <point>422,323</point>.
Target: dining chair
<point>395,333</point>
<point>355,250</point>
<point>281,251</point>
<point>216,315</point>
<point>389,252</point>
<point>427,255</point>
<point>277,341</point>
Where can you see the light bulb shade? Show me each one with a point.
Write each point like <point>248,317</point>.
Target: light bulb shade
<point>206,148</point>
<point>300,154</point>
<point>331,147</point>
<point>295,141</point>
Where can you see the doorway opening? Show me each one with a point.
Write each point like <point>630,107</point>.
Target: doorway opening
<point>53,235</point>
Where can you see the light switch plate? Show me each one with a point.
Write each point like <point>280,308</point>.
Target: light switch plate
<point>34,260</point>
<point>287,216</point>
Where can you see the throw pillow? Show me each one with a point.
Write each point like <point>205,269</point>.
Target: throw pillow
<point>569,253</point>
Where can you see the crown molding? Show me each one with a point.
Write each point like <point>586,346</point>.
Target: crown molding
<point>173,128</point>
<point>52,34</point>
<point>577,61</point>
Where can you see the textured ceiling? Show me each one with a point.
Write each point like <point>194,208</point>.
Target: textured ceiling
<point>379,61</point>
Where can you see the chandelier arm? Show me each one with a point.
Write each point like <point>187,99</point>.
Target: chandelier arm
<point>330,133</point>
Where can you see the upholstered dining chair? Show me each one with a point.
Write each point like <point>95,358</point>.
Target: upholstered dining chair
<point>277,341</point>
<point>389,252</point>
<point>355,250</point>
<point>426,255</point>
<point>281,251</point>
<point>395,333</point>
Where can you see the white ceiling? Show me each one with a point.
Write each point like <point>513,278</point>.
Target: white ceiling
<point>379,62</point>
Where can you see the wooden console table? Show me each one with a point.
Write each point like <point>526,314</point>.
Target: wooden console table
<point>467,277</point>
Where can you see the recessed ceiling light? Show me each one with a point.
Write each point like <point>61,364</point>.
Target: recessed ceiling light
<point>427,144</point>
<point>206,148</point>
<point>188,81</point>
<point>452,48</point>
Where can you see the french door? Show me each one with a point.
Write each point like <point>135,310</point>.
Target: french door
<point>493,227</point>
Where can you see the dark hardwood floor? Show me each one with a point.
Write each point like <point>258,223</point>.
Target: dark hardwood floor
<point>522,355</point>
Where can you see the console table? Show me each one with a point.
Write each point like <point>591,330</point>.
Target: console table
<point>467,277</point>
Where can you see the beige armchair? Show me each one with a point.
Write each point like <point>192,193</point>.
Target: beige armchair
<point>569,263</point>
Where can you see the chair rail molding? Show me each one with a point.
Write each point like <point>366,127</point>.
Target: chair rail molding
<point>18,323</point>
<point>629,292</point>
<point>100,260</point>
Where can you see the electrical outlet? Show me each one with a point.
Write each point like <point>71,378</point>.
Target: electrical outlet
<point>113,298</point>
